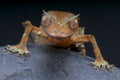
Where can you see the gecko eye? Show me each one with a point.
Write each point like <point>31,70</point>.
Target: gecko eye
<point>45,21</point>
<point>73,24</point>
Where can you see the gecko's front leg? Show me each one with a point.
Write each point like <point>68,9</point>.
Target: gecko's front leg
<point>99,62</point>
<point>21,48</point>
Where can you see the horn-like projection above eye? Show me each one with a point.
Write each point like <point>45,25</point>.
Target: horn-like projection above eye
<point>49,15</point>
<point>69,19</point>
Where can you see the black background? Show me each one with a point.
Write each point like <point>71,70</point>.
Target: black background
<point>102,19</point>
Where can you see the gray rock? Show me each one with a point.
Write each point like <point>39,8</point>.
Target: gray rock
<point>49,63</point>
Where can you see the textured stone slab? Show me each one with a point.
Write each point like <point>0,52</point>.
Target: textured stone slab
<point>48,63</point>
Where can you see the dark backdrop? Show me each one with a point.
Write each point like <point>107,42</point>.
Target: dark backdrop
<point>102,19</point>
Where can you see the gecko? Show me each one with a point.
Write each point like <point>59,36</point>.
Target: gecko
<point>60,29</point>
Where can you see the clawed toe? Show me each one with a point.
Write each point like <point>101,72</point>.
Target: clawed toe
<point>110,67</point>
<point>10,49</point>
<point>20,54</point>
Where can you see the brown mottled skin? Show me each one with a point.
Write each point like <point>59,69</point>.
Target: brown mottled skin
<point>54,31</point>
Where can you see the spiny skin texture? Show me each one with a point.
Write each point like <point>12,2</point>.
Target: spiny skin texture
<point>59,29</point>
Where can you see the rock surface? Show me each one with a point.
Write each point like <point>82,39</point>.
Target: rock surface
<point>48,63</point>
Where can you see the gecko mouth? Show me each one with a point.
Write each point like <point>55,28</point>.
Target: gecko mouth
<point>58,35</point>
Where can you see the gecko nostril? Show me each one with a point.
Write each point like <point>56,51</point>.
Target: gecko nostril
<point>54,31</point>
<point>62,32</point>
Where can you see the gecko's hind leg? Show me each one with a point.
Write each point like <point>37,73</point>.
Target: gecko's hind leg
<point>78,47</point>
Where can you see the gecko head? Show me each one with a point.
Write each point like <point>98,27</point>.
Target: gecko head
<point>59,24</point>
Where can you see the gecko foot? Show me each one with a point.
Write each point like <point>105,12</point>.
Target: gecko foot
<point>21,50</point>
<point>83,52</point>
<point>103,65</point>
